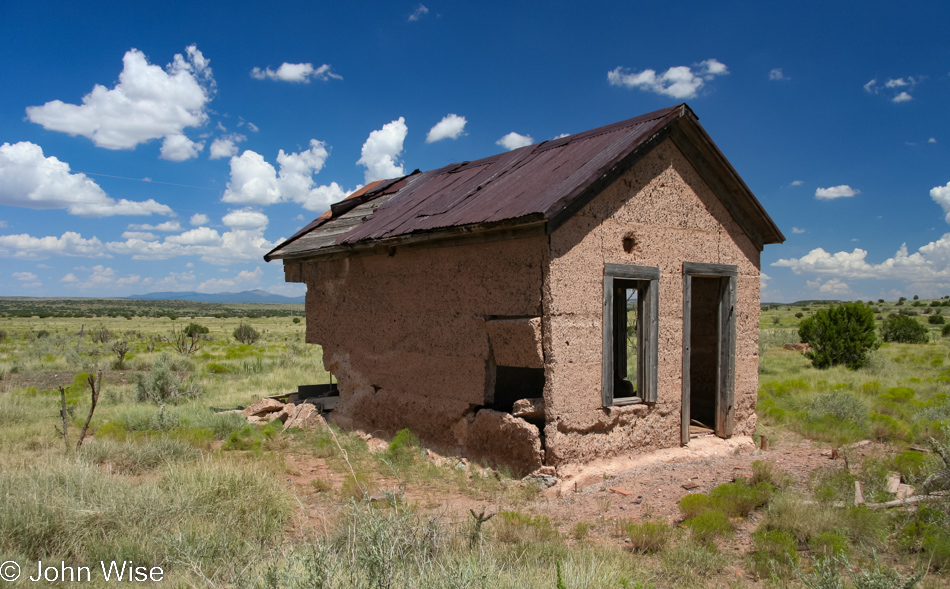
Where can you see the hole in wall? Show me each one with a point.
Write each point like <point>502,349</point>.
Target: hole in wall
<point>629,243</point>
<point>513,383</point>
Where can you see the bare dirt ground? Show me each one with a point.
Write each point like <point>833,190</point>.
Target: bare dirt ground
<point>599,495</point>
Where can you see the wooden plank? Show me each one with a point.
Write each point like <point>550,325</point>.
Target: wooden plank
<point>725,414</point>
<point>632,272</point>
<point>701,269</point>
<point>607,381</point>
<point>652,347</point>
<point>687,332</point>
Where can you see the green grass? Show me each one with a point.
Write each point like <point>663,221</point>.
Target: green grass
<point>182,484</point>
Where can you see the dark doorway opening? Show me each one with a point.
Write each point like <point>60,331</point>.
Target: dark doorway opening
<point>709,349</point>
<point>704,352</point>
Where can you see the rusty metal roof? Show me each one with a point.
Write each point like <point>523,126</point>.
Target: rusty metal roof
<point>547,182</point>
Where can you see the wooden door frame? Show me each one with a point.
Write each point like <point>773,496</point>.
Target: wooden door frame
<point>726,367</point>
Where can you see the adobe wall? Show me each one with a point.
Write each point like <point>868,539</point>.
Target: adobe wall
<point>411,337</point>
<point>672,217</point>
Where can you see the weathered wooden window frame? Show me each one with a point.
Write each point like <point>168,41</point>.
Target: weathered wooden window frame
<point>725,382</point>
<point>648,303</point>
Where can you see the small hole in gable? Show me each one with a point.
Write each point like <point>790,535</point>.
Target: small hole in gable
<point>629,243</point>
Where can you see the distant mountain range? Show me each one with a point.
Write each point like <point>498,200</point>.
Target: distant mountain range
<point>247,296</point>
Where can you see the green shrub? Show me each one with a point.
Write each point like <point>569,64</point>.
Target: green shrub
<point>773,552</point>
<point>648,537</point>
<point>403,448</point>
<point>356,487</point>
<point>936,320</point>
<point>167,382</point>
<point>687,562</point>
<point>706,527</point>
<point>513,527</point>
<point>842,334</point>
<point>101,335</point>
<point>829,544</point>
<point>841,404</point>
<point>905,330</point>
<point>912,465</point>
<point>887,428</point>
<point>246,334</point>
<point>945,331</point>
<point>739,499</point>
<point>694,504</point>
<point>138,456</point>
<point>833,484</point>
<point>193,329</point>
<point>216,368</point>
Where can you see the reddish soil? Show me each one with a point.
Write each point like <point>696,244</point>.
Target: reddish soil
<point>622,489</point>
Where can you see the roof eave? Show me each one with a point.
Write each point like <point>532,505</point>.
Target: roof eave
<point>528,226</point>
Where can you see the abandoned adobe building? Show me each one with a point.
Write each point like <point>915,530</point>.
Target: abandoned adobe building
<point>585,297</point>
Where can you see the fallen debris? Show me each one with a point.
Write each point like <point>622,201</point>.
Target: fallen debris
<point>893,482</point>
<point>620,491</point>
<point>262,407</point>
<point>529,408</point>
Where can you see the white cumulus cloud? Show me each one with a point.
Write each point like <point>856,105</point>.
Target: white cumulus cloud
<point>143,235</point>
<point>382,149</point>
<point>178,148</point>
<point>677,82</point>
<point>196,236</point>
<point>226,146</point>
<point>167,226</point>
<point>29,179</point>
<point>941,196</point>
<point>514,141</point>
<point>245,219</point>
<point>254,181</point>
<point>147,103</point>
<point>797,230</point>
<point>25,276</point>
<point>840,191</point>
<point>199,219</point>
<point>777,74</point>
<point>929,264</point>
<point>451,126</point>
<point>243,279</point>
<point>295,72</point>
<point>898,86</point>
<point>70,244</point>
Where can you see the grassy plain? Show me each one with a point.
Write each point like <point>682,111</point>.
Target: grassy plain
<point>169,480</point>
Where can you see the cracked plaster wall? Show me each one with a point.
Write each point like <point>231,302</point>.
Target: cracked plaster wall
<point>407,338</point>
<point>672,217</point>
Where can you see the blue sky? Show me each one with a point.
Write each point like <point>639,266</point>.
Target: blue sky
<point>169,146</point>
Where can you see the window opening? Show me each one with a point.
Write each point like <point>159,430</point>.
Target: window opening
<point>630,328</point>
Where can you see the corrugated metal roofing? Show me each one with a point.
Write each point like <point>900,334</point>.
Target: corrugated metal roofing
<point>531,183</point>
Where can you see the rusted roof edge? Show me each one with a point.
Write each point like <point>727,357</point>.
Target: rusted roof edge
<point>370,190</point>
<point>526,226</point>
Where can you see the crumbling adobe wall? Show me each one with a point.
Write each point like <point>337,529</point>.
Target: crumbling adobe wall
<point>667,215</point>
<point>409,338</point>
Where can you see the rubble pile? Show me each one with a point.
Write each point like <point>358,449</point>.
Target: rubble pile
<point>305,416</point>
